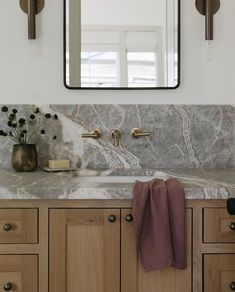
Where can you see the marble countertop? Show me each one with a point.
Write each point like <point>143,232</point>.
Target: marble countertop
<point>83,184</point>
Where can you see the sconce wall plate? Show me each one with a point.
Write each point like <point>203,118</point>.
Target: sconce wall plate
<point>39,5</point>
<point>208,8</point>
<point>201,7</point>
<point>32,7</point>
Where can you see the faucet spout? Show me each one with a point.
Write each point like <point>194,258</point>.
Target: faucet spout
<point>116,136</point>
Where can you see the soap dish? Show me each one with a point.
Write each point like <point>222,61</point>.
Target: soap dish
<point>47,169</point>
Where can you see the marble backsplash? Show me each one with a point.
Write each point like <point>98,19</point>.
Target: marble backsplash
<point>183,136</point>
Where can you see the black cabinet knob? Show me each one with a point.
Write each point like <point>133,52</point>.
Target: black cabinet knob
<point>7,227</point>
<point>232,226</point>
<point>231,206</point>
<point>112,218</point>
<point>129,218</point>
<point>232,286</point>
<point>7,286</point>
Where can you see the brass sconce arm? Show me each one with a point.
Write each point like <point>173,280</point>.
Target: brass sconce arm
<point>32,7</point>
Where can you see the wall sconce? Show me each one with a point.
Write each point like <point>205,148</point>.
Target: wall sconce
<point>208,8</point>
<point>32,7</point>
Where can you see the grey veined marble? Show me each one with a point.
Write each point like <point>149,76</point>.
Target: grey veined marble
<point>183,136</point>
<point>112,184</point>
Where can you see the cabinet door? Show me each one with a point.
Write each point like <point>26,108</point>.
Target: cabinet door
<point>84,250</point>
<point>134,279</point>
<point>219,272</point>
<point>19,273</point>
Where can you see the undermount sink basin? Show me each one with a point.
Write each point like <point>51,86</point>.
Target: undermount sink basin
<point>120,179</point>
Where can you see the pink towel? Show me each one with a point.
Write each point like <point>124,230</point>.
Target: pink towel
<point>159,219</point>
<point>176,201</point>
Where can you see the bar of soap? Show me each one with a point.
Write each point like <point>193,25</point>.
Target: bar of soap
<point>61,164</point>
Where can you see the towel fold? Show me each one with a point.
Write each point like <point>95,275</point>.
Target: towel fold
<point>159,219</point>
<point>176,202</point>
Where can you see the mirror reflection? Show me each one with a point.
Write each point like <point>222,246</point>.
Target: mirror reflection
<point>121,44</point>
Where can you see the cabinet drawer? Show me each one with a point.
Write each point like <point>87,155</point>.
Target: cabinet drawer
<point>219,226</point>
<point>18,225</point>
<point>219,272</point>
<point>19,273</point>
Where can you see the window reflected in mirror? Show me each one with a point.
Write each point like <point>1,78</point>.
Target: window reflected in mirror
<point>99,69</point>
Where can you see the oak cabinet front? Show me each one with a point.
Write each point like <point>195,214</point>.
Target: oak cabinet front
<point>219,272</point>
<point>18,226</point>
<point>84,250</point>
<point>19,273</point>
<point>90,246</point>
<point>95,250</point>
<point>219,226</point>
<point>134,279</point>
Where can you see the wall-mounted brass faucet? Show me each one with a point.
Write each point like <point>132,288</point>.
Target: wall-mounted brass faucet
<point>137,133</point>
<point>95,134</point>
<point>116,135</point>
<point>32,7</point>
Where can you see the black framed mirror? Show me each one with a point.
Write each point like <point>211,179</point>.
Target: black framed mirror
<point>124,44</point>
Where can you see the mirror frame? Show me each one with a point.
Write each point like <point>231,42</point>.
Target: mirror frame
<point>122,88</point>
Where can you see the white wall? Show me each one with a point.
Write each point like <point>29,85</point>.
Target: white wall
<point>123,12</point>
<point>40,80</point>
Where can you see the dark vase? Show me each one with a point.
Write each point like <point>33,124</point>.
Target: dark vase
<point>24,157</point>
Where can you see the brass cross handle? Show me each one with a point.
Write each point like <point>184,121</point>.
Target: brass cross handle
<point>137,133</point>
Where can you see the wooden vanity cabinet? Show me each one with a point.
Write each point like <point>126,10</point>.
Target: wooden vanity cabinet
<point>84,250</point>
<point>89,246</point>
<point>218,250</point>
<point>18,259</point>
<point>219,272</point>
<point>18,226</point>
<point>19,273</point>
<point>134,279</point>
